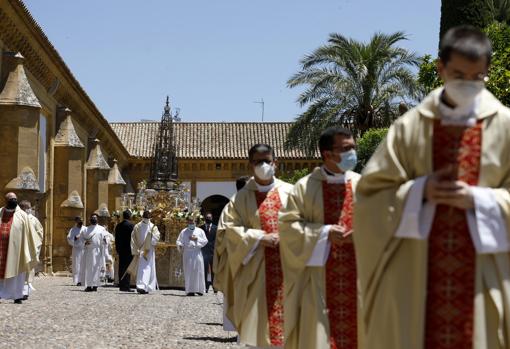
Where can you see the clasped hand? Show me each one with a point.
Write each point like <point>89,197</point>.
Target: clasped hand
<point>270,240</point>
<point>338,233</point>
<point>440,189</point>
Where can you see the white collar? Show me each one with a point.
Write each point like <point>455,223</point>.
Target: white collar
<point>465,116</point>
<point>265,188</point>
<point>336,177</point>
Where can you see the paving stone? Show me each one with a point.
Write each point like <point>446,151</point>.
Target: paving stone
<point>60,315</point>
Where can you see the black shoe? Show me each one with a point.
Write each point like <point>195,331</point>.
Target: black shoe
<point>25,297</point>
<point>126,290</point>
<point>78,284</point>
<point>200,294</point>
<point>94,289</point>
<point>18,301</point>
<point>190,294</point>
<point>88,289</point>
<point>140,291</point>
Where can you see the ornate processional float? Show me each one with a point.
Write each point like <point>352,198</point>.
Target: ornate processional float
<point>168,199</point>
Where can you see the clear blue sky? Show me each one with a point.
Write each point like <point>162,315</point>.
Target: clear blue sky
<point>214,58</point>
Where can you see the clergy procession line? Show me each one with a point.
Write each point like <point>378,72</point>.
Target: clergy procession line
<point>411,254</point>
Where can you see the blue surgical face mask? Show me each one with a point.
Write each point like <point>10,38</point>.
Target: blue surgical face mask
<point>191,226</point>
<point>348,161</point>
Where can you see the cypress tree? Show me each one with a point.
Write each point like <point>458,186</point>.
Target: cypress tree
<point>468,12</point>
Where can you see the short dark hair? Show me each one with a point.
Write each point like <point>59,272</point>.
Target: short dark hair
<point>260,149</point>
<point>126,214</point>
<point>241,182</point>
<point>24,204</point>
<point>78,218</point>
<point>327,138</point>
<point>467,41</point>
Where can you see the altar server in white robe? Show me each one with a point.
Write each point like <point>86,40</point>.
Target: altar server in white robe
<point>18,253</point>
<point>108,255</point>
<point>37,239</point>
<point>92,260</point>
<point>144,238</point>
<point>190,242</point>
<point>75,239</point>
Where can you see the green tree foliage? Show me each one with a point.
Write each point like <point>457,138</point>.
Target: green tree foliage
<point>353,84</point>
<point>461,12</point>
<point>294,176</point>
<point>500,10</point>
<point>499,73</point>
<point>367,145</point>
<point>427,75</point>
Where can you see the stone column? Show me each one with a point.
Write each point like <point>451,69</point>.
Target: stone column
<point>116,186</point>
<point>19,131</point>
<point>69,154</point>
<point>97,183</point>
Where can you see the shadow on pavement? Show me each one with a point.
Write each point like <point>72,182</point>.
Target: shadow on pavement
<point>210,323</point>
<point>213,339</point>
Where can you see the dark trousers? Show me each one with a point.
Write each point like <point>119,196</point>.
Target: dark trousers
<point>124,261</point>
<point>208,263</point>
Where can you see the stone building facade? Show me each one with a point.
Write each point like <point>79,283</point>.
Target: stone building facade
<point>60,152</point>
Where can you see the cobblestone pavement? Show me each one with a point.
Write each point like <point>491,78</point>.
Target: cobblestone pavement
<point>59,315</point>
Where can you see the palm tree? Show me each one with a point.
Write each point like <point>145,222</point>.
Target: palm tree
<point>353,84</point>
<point>500,10</point>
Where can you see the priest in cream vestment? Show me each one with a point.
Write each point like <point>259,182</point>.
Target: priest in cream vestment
<point>319,264</point>
<point>222,276</point>
<point>37,240</point>
<point>250,221</point>
<point>18,252</point>
<point>432,215</point>
<point>144,239</point>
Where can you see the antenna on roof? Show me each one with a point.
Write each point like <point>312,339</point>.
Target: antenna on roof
<point>261,102</point>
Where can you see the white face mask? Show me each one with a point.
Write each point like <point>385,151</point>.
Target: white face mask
<point>463,92</point>
<point>264,171</point>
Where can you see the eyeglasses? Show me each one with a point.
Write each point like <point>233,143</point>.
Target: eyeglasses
<point>258,162</point>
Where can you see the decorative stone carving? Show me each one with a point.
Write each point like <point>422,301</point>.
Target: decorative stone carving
<point>73,200</point>
<point>114,177</point>
<point>66,135</point>
<point>96,158</point>
<point>17,89</point>
<point>102,211</point>
<point>26,180</point>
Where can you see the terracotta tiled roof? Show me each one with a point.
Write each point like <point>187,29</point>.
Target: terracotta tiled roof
<point>208,140</point>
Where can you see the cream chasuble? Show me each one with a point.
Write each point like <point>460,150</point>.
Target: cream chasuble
<point>21,253</point>
<point>460,297</point>
<point>312,284</point>
<point>244,224</point>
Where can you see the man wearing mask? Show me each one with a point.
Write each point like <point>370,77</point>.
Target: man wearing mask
<point>433,214</point>
<point>92,260</point>
<point>18,253</point>
<point>144,238</point>
<point>252,237</point>
<point>75,239</point>
<point>37,240</point>
<point>208,250</point>
<point>190,242</point>
<point>123,232</point>
<point>319,265</point>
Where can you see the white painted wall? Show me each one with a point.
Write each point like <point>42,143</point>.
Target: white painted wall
<point>206,189</point>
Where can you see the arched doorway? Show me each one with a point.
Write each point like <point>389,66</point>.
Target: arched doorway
<point>214,204</point>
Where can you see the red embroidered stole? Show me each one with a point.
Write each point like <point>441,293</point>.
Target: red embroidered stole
<point>451,254</point>
<point>341,290</point>
<point>5,231</point>
<point>269,205</point>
